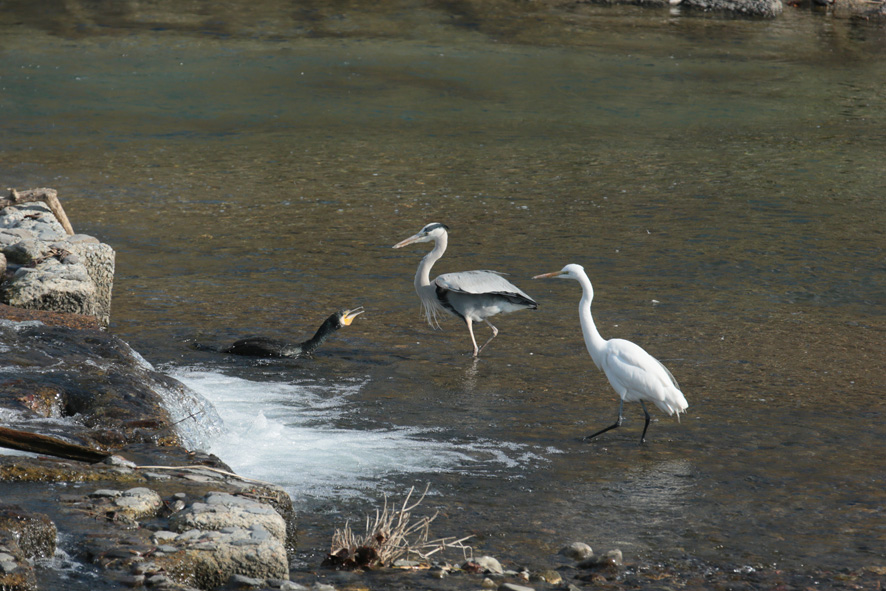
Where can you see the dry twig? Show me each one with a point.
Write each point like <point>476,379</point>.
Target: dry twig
<point>390,536</point>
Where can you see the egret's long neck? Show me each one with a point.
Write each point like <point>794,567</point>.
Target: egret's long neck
<point>423,275</point>
<point>593,340</point>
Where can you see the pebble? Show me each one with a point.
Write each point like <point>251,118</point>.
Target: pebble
<point>240,581</point>
<point>105,493</point>
<point>285,585</point>
<point>577,551</point>
<point>514,587</point>
<point>167,549</point>
<point>438,573</point>
<point>489,564</point>
<point>488,583</point>
<point>550,576</point>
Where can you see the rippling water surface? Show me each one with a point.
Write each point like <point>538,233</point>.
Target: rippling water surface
<point>721,181</point>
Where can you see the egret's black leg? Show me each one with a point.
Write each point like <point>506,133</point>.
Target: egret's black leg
<point>646,412</point>
<point>621,404</point>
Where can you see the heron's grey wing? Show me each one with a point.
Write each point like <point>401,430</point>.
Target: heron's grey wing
<point>482,282</point>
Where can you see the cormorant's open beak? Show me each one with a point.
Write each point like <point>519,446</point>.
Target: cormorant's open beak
<point>408,241</point>
<point>349,315</point>
<point>549,275</point>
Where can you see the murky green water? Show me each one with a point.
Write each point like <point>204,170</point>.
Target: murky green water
<point>253,166</point>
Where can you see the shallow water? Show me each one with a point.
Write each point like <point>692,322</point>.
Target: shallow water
<point>721,181</point>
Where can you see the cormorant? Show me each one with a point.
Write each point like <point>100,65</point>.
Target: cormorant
<point>266,347</point>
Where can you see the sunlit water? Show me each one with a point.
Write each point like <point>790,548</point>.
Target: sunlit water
<point>721,180</point>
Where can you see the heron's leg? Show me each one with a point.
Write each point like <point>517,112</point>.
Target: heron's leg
<point>473,340</point>
<point>646,412</point>
<point>617,423</point>
<point>494,334</point>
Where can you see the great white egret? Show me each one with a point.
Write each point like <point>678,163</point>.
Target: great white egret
<point>635,374</point>
<point>473,296</point>
<point>265,347</point>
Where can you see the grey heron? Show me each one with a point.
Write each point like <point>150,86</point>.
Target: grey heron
<point>473,296</point>
<point>635,375</point>
<point>266,347</point>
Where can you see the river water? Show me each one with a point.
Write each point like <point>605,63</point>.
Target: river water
<point>721,180</point>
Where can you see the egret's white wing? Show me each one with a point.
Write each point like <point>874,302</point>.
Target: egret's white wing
<point>629,367</point>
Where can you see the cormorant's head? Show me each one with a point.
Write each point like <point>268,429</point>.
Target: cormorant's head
<point>346,317</point>
<point>429,233</point>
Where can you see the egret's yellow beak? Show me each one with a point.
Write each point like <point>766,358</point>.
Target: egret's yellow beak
<point>349,315</point>
<point>549,275</point>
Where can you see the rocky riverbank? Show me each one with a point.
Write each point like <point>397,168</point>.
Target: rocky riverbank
<point>114,475</point>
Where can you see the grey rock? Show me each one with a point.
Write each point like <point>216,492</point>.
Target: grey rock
<point>25,251</point>
<point>438,573</point>
<point>221,510</point>
<point>164,536</point>
<point>577,551</point>
<point>489,564</point>
<point>168,548</point>
<point>158,580</point>
<point>241,581</point>
<point>27,234</point>
<point>765,8</point>
<point>52,286</point>
<point>105,492</point>
<point>610,560</point>
<point>138,503</point>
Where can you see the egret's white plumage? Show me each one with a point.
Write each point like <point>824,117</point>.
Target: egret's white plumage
<point>473,296</point>
<point>635,375</point>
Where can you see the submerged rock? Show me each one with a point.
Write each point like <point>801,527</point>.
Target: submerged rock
<point>109,394</point>
<point>612,560</point>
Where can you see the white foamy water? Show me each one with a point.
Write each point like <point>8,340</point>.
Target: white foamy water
<point>284,433</point>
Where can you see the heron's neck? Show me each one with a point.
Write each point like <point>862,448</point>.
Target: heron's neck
<point>594,342</point>
<point>423,275</point>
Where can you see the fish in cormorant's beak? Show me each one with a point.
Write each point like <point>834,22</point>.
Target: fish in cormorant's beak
<point>348,316</point>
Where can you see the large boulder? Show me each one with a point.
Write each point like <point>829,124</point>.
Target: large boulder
<point>47,269</point>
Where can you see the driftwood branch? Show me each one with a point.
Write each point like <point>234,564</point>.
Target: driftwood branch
<point>47,196</point>
<point>51,446</point>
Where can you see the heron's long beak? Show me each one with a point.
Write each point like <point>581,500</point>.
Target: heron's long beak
<point>549,275</point>
<point>408,241</point>
<point>349,315</point>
